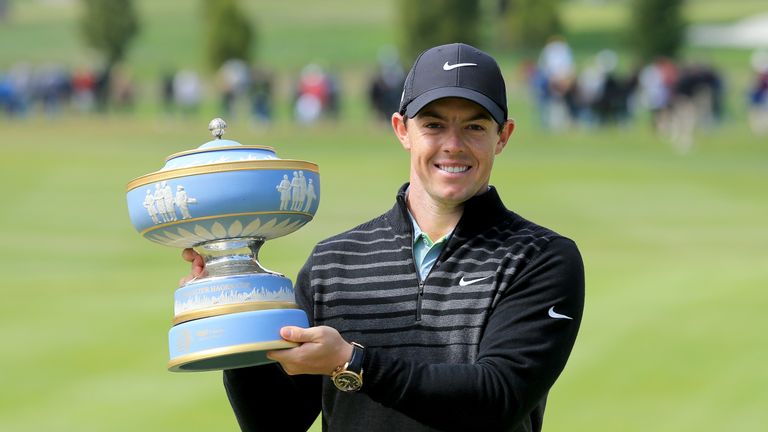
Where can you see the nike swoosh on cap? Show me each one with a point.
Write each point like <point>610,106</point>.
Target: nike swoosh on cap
<point>447,67</point>
<point>464,282</point>
<point>552,314</point>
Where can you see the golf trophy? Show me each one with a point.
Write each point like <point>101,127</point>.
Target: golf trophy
<point>225,199</point>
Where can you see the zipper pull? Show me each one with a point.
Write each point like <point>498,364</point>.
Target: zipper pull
<point>418,300</point>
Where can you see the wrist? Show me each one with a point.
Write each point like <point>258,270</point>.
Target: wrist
<point>344,356</point>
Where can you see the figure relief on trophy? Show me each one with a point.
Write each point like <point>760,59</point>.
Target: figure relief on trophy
<point>162,205</point>
<point>225,200</point>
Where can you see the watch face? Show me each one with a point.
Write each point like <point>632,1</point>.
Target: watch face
<point>347,381</point>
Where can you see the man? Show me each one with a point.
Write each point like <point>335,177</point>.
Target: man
<point>462,313</point>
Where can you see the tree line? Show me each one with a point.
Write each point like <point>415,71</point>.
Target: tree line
<point>657,27</point>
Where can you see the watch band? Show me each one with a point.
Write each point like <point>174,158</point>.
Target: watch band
<point>355,363</point>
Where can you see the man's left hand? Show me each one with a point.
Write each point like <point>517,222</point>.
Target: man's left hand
<point>322,350</point>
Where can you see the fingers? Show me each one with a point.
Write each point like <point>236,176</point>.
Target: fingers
<point>195,258</point>
<point>198,265</point>
<point>197,261</point>
<point>189,254</point>
<point>298,334</point>
<point>321,351</point>
<point>284,358</point>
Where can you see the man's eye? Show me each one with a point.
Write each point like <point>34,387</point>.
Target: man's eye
<point>476,127</point>
<point>432,125</point>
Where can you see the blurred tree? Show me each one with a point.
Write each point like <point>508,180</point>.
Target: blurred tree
<point>528,24</point>
<point>229,33</point>
<point>4,10</point>
<point>658,28</point>
<point>427,23</point>
<point>108,26</point>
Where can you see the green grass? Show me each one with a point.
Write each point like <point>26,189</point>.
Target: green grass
<point>674,248</point>
<point>674,245</point>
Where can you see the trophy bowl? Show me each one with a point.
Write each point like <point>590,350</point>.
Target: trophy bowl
<point>225,199</point>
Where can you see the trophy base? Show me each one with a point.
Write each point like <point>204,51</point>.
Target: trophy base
<point>230,341</point>
<point>228,357</point>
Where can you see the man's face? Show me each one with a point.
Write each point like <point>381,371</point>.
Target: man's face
<point>452,143</point>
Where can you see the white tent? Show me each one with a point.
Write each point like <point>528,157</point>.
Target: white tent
<point>750,32</point>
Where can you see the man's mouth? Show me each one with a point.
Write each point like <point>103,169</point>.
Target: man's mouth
<point>453,168</point>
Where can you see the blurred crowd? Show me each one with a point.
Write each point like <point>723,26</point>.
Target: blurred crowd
<point>244,88</point>
<point>52,88</point>
<point>236,83</point>
<point>680,97</point>
<point>238,87</point>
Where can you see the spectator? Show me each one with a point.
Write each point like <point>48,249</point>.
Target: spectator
<point>313,94</point>
<point>187,91</point>
<point>758,94</point>
<point>557,65</point>
<point>387,84</point>
<point>83,90</point>
<point>233,79</point>
<point>121,88</point>
<point>260,91</point>
<point>167,98</point>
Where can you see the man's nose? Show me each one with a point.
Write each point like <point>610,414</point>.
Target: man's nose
<point>454,140</point>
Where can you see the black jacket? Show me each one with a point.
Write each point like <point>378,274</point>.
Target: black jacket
<point>475,346</point>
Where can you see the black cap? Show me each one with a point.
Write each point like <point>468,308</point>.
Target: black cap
<point>455,70</point>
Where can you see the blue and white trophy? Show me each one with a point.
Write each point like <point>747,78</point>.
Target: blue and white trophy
<point>225,200</point>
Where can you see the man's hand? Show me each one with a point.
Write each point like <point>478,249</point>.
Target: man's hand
<point>198,265</point>
<point>322,350</point>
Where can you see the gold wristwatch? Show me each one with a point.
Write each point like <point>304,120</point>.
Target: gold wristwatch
<point>349,378</point>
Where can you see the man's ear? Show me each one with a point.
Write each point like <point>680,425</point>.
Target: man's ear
<point>400,129</point>
<point>506,132</point>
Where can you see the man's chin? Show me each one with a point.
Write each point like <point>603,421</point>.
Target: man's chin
<point>455,196</point>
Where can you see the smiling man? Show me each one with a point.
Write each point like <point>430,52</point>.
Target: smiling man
<point>452,143</point>
<point>447,312</point>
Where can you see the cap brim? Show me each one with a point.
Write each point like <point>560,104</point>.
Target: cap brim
<point>430,96</point>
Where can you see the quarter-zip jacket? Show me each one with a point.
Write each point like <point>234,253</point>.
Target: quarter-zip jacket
<point>475,346</point>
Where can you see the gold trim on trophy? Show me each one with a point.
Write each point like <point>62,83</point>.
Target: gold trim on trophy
<point>229,309</point>
<point>177,364</point>
<point>267,164</point>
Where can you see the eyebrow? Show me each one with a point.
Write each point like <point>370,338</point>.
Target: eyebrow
<point>481,115</point>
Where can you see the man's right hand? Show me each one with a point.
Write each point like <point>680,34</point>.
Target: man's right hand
<point>198,265</point>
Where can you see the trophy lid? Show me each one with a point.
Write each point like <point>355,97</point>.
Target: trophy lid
<point>218,150</point>
<point>219,155</point>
